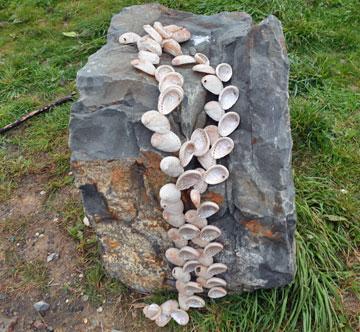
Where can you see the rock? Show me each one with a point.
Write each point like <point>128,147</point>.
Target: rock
<point>52,257</point>
<point>41,306</point>
<point>100,309</point>
<point>86,221</point>
<point>118,172</point>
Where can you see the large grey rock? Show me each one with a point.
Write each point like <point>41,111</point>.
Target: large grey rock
<point>118,170</point>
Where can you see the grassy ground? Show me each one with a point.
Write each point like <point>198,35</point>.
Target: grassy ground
<point>38,63</point>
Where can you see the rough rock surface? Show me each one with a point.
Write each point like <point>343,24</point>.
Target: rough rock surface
<point>118,171</point>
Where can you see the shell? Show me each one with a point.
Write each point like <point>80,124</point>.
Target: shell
<point>152,33</point>
<point>162,70</point>
<point>189,231</point>
<point>180,316</point>
<point>213,249</point>
<point>129,38</point>
<point>216,268</point>
<point>222,147</point>
<point>156,121</point>
<point>171,166</point>
<point>216,292</point>
<point>201,281</point>
<point>195,197</point>
<point>160,29</point>
<point>179,274</point>
<point>203,68</point>
<point>172,28</point>
<point>207,160</point>
<point>202,272</point>
<point>193,218</point>
<point>201,58</point>
<point>170,99</point>
<point>181,35</point>
<point>152,311</point>
<point>213,133</point>
<point>162,320</point>
<point>147,44</point>
<point>195,302</point>
<point>182,301</point>
<point>192,287</point>
<point>172,47</point>
<point>173,256</point>
<point>207,209</point>
<point>216,174</point>
<point>188,179</point>
<point>228,97</point>
<point>201,142</point>
<point>149,56</point>
<point>228,123</point>
<point>188,253</point>
<point>201,186</point>
<point>174,219</point>
<point>182,60</point>
<point>186,153</point>
<point>224,71</point>
<point>169,192</point>
<point>215,282</point>
<point>174,235</point>
<point>205,260</point>
<point>200,242</point>
<point>190,266</point>
<point>172,78</point>
<point>144,65</point>
<point>169,306</point>
<point>168,142</point>
<point>212,84</point>
<point>173,208</point>
<point>213,110</point>
<point>180,287</point>
<point>210,233</point>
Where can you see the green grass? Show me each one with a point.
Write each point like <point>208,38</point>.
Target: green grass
<point>38,64</point>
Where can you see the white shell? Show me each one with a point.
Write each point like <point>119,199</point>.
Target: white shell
<point>201,58</point>
<point>212,84</point>
<point>156,122</point>
<point>179,274</point>
<point>172,255</point>
<point>176,208</point>
<point>170,193</point>
<point>195,302</point>
<point>188,179</point>
<point>192,217</point>
<point>152,33</point>
<point>171,166</point>
<point>207,160</point>
<point>190,266</point>
<point>192,287</point>
<point>222,147</point>
<point>201,142</point>
<point>180,316</point>
<point>216,292</point>
<point>224,71</point>
<point>172,28</point>
<point>182,299</point>
<point>201,271</point>
<point>228,123</point>
<point>144,65</point>
<point>152,311</point>
<point>207,209</point>
<point>186,153</point>
<point>129,38</point>
<point>201,186</point>
<point>182,60</point>
<point>160,29</point>
<point>170,99</point>
<point>216,174</point>
<point>172,78</point>
<point>162,70</point>
<point>188,253</point>
<point>213,133</point>
<point>174,235</point>
<point>189,231</point>
<point>149,56</point>
<point>162,320</point>
<point>217,268</point>
<point>174,219</point>
<point>205,260</point>
<point>181,35</point>
<point>200,242</point>
<point>195,197</point>
<point>147,44</point>
<point>203,68</point>
<point>213,249</point>
<point>213,110</point>
<point>228,97</point>
<point>171,47</point>
<point>168,142</point>
<point>210,233</point>
<point>215,282</point>
<point>169,306</point>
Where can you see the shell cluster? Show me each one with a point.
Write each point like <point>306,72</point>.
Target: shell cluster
<point>195,241</point>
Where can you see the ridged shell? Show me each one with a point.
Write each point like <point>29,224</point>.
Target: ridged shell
<point>129,38</point>
<point>163,320</point>
<point>201,58</point>
<point>149,56</point>
<point>213,110</point>
<point>182,60</point>
<point>170,79</point>
<point>192,217</point>
<point>224,71</point>
<point>186,153</point>
<point>200,242</point>
<point>222,147</point>
<point>228,97</point>
<point>191,288</point>
<point>215,282</point>
<point>152,33</point>
<point>210,233</point>
<point>144,65</point>
<point>217,268</point>
<point>170,99</point>
<point>202,68</point>
<point>213,133</point>
<point>189,231</point>
<point>181,35</point>
<point>156,122</point>
<point>212,84</point>
<point>201,186</point>
<point>172,28</point>
<point>190,266</point>
<point>207,160</point>
<point>228,123</point>
<point>171,166</point>
<point>179,274</point>
<point>160,29</point>
<point>172,255</point>
<point>169,192</point>
<point>169,306</point>
<point>174,219</point>
<point>180,316</point>
<point>195,302</point>
<point>162,70</point>
<point>216,174</point>
<point>148,44</point>
<point>213,249</point>
<point>174,235</point>
<point>201,142</point>
<point>171,47</point>
<point>195,197</point>
<point>152,311</point>
<point>168,142</point>
<point>188,179</point>
<point>216,292</point>
<point>201,271</point>
<point>205,260</point>
<point>207,209</point>
<point>188,253</point>
<point>173,208</point>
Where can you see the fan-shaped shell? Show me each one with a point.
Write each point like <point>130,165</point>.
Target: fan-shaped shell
<point>172,255</point>
<point>188,179</point>
<point>156,121</point>
<point>203,68</point>
<point>152,33</point>
<point>207,160</point>
<point>215,282</point>
<point>212,84</point>
<point>160,29</point>
<point>216,174</point>
<point>189,231</point>
<point>174,219</point>
<point>181,35</point>
<point>170,99</point>
<point>228,97</point>
<point>217,268</point>
<point>200,242</point>
<point>201,142</point>
<point>201,58</point>
<point>188,253</point>
<point>144,65</point>
<point>213,249</point>
<point>171,166</point>
<point>224,71</point>
<point>190,266</point>
<point>207,209</point>
<point>169,79</point>
<point>174,235</point>
<point>169,192</point>
<point>192,217</point>
<point>201,186</point>
<point>228,123</point>
<point>213,110</point>
<point>162,320</point>
<point>162,70</point>
<point>172,28</point>
<point>195,197</point>
<point>169,306</point>
<point>192,287</point>
<point>195,302</point>
<point>201,271</point>
<point>205,260</point>
<point>186,153</point>
<point>168,142</point>
<point>210,233</point>
<point>129,38</point>
<point>213,133</point>
<point>172,47</point>
<point>148,44</point>
<point>222,147</point>
<point>180,316</point>
<point>216,292</point>
<point>182,60</point>
<point>152,311</point>
<point>180,287</point>
<point>179,274</point>
<point>149,56</point>
<point>201,281</point>
<point>174,208</point>
<point>182,300</point>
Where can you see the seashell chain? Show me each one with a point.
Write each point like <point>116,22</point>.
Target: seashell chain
<point>195,244</point>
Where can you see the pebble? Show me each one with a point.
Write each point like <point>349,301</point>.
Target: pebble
<point>85,320</point>
<point>86,221</point>
<point>41,306</point>
<point>100,309</point>
<point>41,235</point>
<point>56,219</point>
<point>52,257</point>
<point>85,298</point>
<point>42,192</point>
<point>37,234</point>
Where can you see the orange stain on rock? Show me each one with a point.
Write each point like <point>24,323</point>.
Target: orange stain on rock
<point>255,227</point>
<point>214,197</point>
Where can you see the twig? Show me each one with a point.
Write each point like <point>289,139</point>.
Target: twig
<point>46,108</point>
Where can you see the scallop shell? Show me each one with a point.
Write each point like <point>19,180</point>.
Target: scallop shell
<point>162,70</point>
<point>213,133</point>
<point>201,142</point>
<point>216,292</point>
<point>170,99</point>
<point>144,65</point>
<point>228,123</point>
<point>216,174</point>
<point>216,268</point>
<point>174,235</point>
<point>228,97</point>
<point>224,71</point>
<point>195,197</point>
<point>172,47</point>
<point>191,288</point>
<point>160,29</point>
<point>152,311</point>
<point>192,217</point>
<point>180,316</point>
<point>168,142</point>
<point>186,153</point>
<point>201,58</point>
<point>188,253</point>
<point>213,249</point>
<point>202,272</point>
<point>207,209</point>
<point>212,84</point>
<point>162,320</point>
<point>169,192</point>
<point>205,260</point>
<point>171,166</point>
<point>188,179</point>
<point>213,110</point>
<point>195,302</point>
<point>174,219</point>
<point>129,38</point>
<point>181,35</point>
<point>203,68</point>
<point>173,208</point>
<point>149,56</point>
<point>156,122</point>
<point>179,274</point>
<point>200,242</point>
<point>182,60</point>
<point>215,282</point>
<point>170,79</point>
<point>210,233</point>
<point>172,28</point>
<point>222,147</point>
<point>190,266</point>
<point>152,33</point>
<point>169,306</point>
<point>189,231</point>
<point>172,255</point>
<point>207,160</point>
<point>147,44</point>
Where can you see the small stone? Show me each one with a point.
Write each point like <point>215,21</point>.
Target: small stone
<point>56,219</point>
<point>70,173</point>
<point>85,298</point>
<point>41,235</point>
<point>67,301</point>
<point>86,221</point>
<point>37,234</point>
<point>41,306</point>
<point>81,276</point>
<point>18,244</point>
<point>52,257</point>
<point>85,320</point>
<point>100,309</point>
<point>42,192</point>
